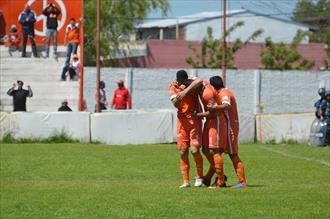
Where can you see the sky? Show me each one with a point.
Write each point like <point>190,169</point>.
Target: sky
<point>279,8</point>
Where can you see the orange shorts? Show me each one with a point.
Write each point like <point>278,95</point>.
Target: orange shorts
<point>211,133</point>
<point>230,139</point>
<point>189,133</point>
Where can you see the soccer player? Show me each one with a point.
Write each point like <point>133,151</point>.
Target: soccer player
<point>189,129</point>
<point>229,107</point>
<point>211,141</point>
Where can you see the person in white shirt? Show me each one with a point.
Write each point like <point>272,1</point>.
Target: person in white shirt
<point>73,69</point>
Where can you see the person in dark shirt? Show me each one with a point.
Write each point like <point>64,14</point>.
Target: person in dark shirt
<point>318,103</point>
<point>27,18</point>
<point>19,96</point>
<point>325,115</point>
<point>64,106</point>
<point>52,13</point>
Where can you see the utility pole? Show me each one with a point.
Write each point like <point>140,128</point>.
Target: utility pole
<point>97,56</point>
<point>224,45</point>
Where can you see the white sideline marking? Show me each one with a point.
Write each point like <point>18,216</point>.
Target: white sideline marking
<point>296,157</point>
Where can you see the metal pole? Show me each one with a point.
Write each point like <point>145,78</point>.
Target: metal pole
<point>97,56</point>
<point>81,83</point>
<point>224,45</point>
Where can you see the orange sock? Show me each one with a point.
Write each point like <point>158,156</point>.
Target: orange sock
<point>199,163</point>
<point>211,170</point>
<point>218,164</point>
<point>185,166</point>
<point>239,168</point>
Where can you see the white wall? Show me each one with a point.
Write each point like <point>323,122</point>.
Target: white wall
<point>278,30</point>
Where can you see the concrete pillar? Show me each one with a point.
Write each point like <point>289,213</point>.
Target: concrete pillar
<point>161,34</point>
<point>177,29</point>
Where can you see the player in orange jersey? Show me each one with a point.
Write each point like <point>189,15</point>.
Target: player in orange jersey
<point>189,129</point>
<point>212,126</point>
<point>228,105</point>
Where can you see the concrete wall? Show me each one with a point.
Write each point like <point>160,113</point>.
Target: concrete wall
<point>278,92</point>
<point>197,31</point>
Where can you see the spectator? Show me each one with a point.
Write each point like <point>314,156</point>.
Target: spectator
<point>318,103</point>
<point>73,69</point>
<point>19,96</point>
<point>71,39</point>
<point>121,98</point>
<point>52,13</point>
<point>64,106</point>
<point>13,40</point>
<point>325,115</point>
<point>27,18</point>
<point>2,27</point>
<point>102,97</point>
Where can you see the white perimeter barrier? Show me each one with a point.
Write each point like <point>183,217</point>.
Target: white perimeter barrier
<point>246,127</point>
<point>4,124</point>
<point>132,127</point>
<point>281,127</point>
<point>40,125</point>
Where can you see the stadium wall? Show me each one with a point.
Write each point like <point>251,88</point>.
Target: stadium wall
<point>257,91</point>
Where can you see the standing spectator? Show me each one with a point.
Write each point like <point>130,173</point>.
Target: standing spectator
<point>64,106</point>
<point>325,115</point>
<point>121,98</point>
<point>318,103</point>
<point>71,39</point>
<point>73,69</point>
<point>52,13</point>
<point>27,18</point>
<point>19,96</point>
<point>13,40</point>
<point>102,97</point>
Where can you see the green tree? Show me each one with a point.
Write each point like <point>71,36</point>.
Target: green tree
<point>283,57</point>
<point>210,55</point>
<point>118,18</point>
<point>316,13</point>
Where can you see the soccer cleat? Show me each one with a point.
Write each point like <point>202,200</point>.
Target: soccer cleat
<point>198,182</point>
<point>184,185</point>
<point>206,182</point>
<point>239,186</point>
<point>215,185</point>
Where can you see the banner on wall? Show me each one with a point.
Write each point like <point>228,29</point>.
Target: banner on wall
<point>69,9</point>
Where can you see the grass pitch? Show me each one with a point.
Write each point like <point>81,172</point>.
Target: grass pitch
<point>99,181</point>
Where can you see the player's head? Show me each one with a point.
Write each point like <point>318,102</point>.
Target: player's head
<point>65,102</point>
<point>181,76</point>
<point>20,84</point>
<point>217,82</point>
<point>120,84</point>
<point>27,7</point>
<point>102,85</point>
<point>72,21</point>
<point>321,92</point>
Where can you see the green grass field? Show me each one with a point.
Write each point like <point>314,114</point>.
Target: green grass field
<point>99,181</point>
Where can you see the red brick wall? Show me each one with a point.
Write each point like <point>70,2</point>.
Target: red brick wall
<point>172,54</point>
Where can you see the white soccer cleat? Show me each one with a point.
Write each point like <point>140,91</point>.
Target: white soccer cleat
<point>198,182</point>
<point>184,185</point>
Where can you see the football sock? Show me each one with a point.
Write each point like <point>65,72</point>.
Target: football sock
<point>211,170</point>
<point>239,168</point>
<point>218,164</point>
<point>199,163</point>
<point>185,166</point>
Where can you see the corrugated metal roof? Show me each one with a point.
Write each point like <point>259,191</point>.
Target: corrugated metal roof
<point>182,20</point>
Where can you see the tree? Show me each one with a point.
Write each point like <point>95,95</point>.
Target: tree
<point>316,13</point>
<point>210,55</point>
<point>118,19</point>
<point>282,57</point>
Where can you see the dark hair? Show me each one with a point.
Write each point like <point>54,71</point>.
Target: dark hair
<point>181,75</point>
<point>102,84</point>
<point>217,82</point>
<point>72,19</point>
<point>20,82</point>
<point>321,91</point>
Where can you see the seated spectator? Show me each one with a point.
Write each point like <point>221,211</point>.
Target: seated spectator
<point>13,39</point>
<point>318,103</point>
<point>73,69</point>
<point>64,106</point>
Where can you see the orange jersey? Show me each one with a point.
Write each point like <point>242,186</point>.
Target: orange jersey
<point>188,105</point>
<point>208,95</point>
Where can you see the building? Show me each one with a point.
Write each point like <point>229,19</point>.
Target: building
<point>194,27</point>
